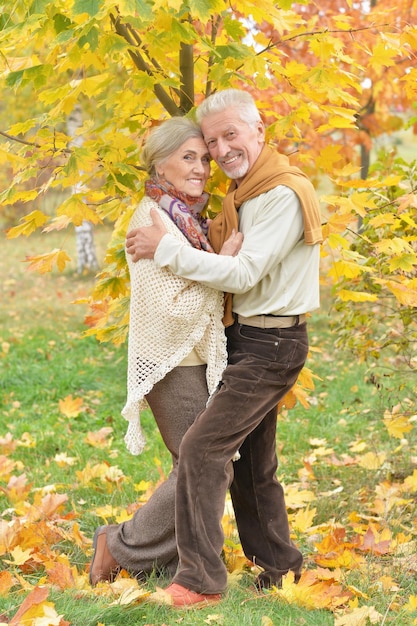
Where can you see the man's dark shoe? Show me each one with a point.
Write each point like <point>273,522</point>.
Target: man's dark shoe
<point>266,581</point>
<point>103,566</point>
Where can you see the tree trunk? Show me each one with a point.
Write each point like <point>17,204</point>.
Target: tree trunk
<point>86,251</point>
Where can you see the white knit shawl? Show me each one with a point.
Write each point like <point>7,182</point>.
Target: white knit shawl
<point>169,317</point>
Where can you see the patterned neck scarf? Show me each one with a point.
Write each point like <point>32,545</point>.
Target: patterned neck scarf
<point>185,211</point>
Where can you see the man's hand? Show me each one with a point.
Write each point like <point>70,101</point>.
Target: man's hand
<point>141,243</point>
<point>232,245</point>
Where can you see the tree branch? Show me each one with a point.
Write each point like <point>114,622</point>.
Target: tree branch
<point>128,33</point>
<point>25,143</point>
<point>187,77</point>
<point>213,36</point>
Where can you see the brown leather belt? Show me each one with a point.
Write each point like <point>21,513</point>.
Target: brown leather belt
<point>271,321</point>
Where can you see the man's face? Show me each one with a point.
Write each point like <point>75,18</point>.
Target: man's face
<point>233,144</point>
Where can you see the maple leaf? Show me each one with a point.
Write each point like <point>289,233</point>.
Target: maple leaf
<point>411,604</point>
<point>382,55</point>
<point>19,556</point>
<point>312,592</point>
<point>62,575</point>
<point>397,424</point>
<point>44,263</point>
<point>360,616</point>
<point>370,544</point>
<point>6,582</point>
<point>7,443</point>
<point>52,502</point>
<point>71,407</point>
<point>36,597</point>
<point>99,438</point>
<point>303,519</point>
<point>30,223</point>
<point>372,460</point>
<point>410,483</point>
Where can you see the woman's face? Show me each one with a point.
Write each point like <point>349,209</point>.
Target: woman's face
<point>188,168</point>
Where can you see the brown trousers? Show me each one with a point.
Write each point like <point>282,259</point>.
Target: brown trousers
<point>263,364</point>
<point>147,541</point>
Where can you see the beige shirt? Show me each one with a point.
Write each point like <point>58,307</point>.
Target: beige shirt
<point>275,272</point>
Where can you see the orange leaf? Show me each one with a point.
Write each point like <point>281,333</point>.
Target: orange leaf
<point>99,438</point>
<point>6,582</point>
<point>71,407</point>
<point>44,263</point>
<point>370,545</point>
<point>35,597</point>
<point>62,576</point>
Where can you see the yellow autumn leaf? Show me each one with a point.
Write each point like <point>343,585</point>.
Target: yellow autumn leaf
<point>19,556</point>
<point>328,157</point>
<point>372,460</point>
<point>43,614</point>
<point>382,220</point>
<point>410,483</point>
<point>106,512</point>
<point>397,425</point>
<point>345,559</point>
<point>298,498</point>
<point>78,210</point>
<point>347,295</point>
<point>335,240</point>
<point>358,446</point>
<point>71,407</point>
<point>123,516</point>
<point>303,519</point>
<point>90,473</point>
<point>44,263</point>
<point>406,294</point>
<point>411,604</point>
<point>63,460</point>
<point>266,621</point>
<point>394,245</point>
<point>382,56</point>
<point>312,592</point>
<point>403,262</point>
<point>29,224</point>
<point>361,616</point>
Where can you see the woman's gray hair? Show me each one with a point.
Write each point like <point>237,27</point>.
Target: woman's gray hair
<point>165,139</point>
<point>240,101</point>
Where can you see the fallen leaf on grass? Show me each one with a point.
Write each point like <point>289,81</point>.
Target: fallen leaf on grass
<point>99,438</point>
<point>71,407</point>
<point>361,616</point>
<point>312,592</point>
<point>6,582</point>
<point>34,608</point>
<point>128,592</point>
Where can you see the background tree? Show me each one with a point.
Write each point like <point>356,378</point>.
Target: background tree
<point>327,79</point>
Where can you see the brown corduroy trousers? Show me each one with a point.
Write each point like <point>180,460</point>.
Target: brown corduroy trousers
<point>263,364</point>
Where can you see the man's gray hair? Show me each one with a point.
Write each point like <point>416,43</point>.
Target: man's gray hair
<point>165,139</point>
<point>239,100</point>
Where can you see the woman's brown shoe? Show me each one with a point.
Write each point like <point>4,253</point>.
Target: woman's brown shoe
<point>103,566</point>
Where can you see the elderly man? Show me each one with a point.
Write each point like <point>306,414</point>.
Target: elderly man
<point>271,284</point>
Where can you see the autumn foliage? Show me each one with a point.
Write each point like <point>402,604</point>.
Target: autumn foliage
<point>331,79</point>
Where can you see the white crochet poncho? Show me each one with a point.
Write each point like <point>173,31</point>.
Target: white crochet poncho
<point>169,317</point>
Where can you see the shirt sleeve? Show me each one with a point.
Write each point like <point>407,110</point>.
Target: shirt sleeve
<point>272,226</point>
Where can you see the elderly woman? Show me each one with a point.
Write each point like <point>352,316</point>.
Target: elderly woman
<point>176,349</point>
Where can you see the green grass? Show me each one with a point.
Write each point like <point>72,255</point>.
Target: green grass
<point>44,360</point>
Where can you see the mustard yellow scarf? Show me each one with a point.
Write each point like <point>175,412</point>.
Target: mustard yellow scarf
<point>270,170</point>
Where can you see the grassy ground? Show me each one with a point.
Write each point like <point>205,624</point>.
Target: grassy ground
<point>61,434</point>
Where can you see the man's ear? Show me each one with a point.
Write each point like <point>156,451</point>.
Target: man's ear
<point>261,131</point>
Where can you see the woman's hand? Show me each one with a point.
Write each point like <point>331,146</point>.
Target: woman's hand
<point>232,245</point>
